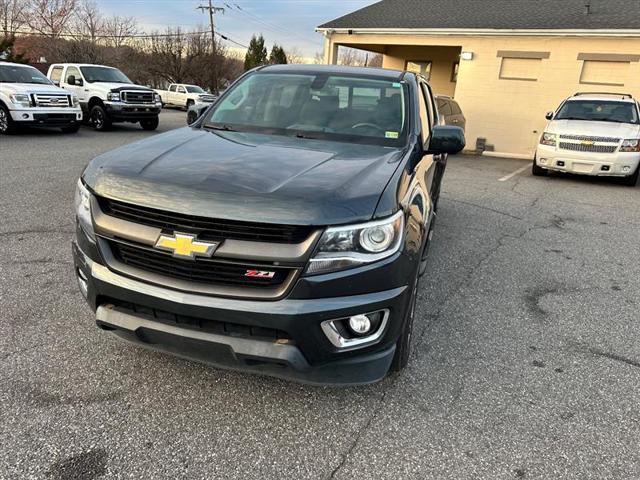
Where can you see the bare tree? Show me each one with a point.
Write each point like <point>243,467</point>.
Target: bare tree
<point>295,56</point>
<point>120,30</point>
<point>50,17</point>
<point>89,22</point>
<point>12,15</point>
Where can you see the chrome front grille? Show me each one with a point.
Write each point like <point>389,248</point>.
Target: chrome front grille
<point>137,96</point>
<point>51,100</point>
<point>584,138</point>
<point>588,147</point>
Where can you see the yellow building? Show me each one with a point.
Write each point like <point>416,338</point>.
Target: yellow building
<point>506,62</point>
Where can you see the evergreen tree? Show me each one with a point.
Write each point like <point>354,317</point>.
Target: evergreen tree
<point>6,51</point>
<point>278,56</point>
<point>256,54</point>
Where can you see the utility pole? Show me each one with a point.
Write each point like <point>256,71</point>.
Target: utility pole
<point>212,11</point>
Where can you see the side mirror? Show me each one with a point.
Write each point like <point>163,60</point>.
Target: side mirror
<point>446,139</point>
<point>549,116</point>
<point>79,82</point>
<point>71,79</point>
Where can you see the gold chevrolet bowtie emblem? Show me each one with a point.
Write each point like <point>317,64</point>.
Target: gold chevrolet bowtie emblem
<point>184,245</point>
<point>587,142</point>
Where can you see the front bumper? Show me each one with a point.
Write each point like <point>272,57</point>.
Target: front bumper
<point>306,355</point>
<point>128,112</point>
<point>587,163</point>
<point>55,117</point>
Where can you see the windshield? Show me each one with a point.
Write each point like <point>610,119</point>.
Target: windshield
<point>104,74</point>
<point>20,74</point>
<point>599,111</point>
<point>330,107</point>
<point>194,89</point>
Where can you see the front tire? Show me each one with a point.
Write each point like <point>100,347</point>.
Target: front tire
<point>99,118</point>
<point>538,171</point>
<point>7,126</point>
<point>632,180</point>
<point>150,123</point>
<point>190,103</point>
<point>403,347</point>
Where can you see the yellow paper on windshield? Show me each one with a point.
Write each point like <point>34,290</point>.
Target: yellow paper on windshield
<point>391,135</point>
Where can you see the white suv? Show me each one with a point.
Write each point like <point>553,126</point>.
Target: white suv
<point>28,98</point>
<point>592,134</point>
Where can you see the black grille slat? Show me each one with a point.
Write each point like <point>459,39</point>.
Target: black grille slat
<point>206,228</point>
<point>206,271</point>
<point>196,323</point>
<point>138,97</point>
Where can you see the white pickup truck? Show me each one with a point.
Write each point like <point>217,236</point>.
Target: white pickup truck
<point>28,98</point>
<point>182,95</point>
<point>107,95</point>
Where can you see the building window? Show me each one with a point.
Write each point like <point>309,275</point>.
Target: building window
<point>421,67</point>
<point>454,72</point>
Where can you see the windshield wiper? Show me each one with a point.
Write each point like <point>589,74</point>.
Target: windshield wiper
<point>226,128</point>
<point>608,120</point>
<point>305,136</point>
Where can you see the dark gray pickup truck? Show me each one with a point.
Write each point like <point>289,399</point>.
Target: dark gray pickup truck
<point>283,233</point>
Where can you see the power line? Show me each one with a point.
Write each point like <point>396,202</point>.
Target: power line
<point>77,36</point>
<point>274,28</point>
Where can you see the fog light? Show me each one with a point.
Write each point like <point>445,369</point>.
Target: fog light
<point>359,324</point>
<point>543,161</point>
<point>626,169</point>
<point>356,331</point>
<point>83,284</point>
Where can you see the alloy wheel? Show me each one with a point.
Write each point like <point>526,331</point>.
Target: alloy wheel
<point>98,119</point>
<point>4,121</point>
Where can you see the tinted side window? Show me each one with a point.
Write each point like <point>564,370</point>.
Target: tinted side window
<point>424,116</point>
<point>181,90</point>
<point>444,107</point>
<point>431,106</point>
<point>56,74</point>
<point>172,88</point>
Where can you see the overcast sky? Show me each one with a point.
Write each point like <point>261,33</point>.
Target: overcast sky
<point>290,23</point>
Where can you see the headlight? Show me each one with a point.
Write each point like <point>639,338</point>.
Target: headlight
<point>21,99</point>
<point>353,245</point>
<point>630,145</point>
<point>157,98</point>
<point>113,96</point>
<point>548,139</point>
<point>75,100</point>
<point>82,203</point>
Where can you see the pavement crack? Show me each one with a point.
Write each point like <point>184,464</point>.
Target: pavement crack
<point>613,356</point>
<point>484,207</point>
<point>363,429</point>
<point>30,231</point>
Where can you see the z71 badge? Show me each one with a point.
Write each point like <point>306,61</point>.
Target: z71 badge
<point>259,274</point>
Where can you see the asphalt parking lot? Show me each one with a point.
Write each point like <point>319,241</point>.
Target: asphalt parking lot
<point>526,360</point>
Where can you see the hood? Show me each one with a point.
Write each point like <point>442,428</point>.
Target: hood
<point>13,88</point>
<point>594,129</point>
<point>246,176</point>
<point>114,86</point>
